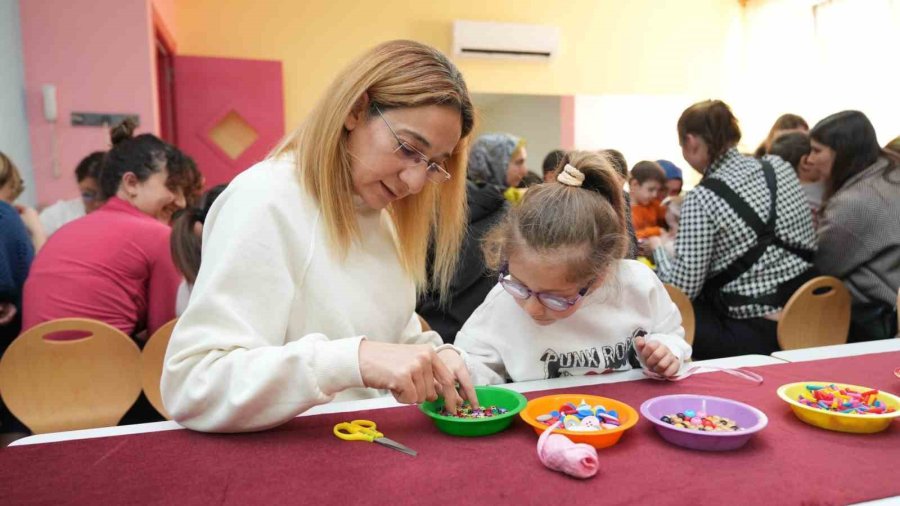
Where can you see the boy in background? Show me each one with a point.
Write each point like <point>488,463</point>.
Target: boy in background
<point>645,182</point>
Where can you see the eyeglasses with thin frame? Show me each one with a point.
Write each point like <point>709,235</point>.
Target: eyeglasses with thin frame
<point>549,301</point>
<point>414,157</point>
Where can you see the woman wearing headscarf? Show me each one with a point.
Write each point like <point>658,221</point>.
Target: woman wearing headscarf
<point>496,166</point>
<point>499,160</point>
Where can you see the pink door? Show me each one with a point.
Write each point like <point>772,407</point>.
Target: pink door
<point>229,113</point>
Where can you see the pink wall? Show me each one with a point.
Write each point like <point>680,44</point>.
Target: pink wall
<point>567,122</point>
<point>99,54</point>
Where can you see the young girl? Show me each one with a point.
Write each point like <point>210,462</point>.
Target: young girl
<point>567,302</point>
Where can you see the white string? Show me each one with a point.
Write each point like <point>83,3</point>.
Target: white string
<point>739,373</point>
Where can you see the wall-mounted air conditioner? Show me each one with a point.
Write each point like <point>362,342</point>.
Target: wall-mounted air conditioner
<point>504,40</point>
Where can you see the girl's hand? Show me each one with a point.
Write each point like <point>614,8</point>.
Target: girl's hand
<point>412,372</point>
<point>457,367</point>
<point>657,357</point>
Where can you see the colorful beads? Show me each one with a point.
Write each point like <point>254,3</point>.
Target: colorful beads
<point>582,418</point>
<point>843,400</point>
<point>696,422</point>
<point>466,411</point>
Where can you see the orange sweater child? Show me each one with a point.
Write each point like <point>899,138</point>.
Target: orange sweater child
<point>646,181</point>
<point>648,219</point>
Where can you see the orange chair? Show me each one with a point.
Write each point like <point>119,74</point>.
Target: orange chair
<point>59,385</point>
<point>818,314</point>
<point>688,320</point>
<point>152,365</point>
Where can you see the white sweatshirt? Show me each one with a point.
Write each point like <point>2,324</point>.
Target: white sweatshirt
<point>275,318</point>
<point>501,342</point>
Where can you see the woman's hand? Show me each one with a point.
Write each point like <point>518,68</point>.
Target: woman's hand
<point>412,372</point>
<point>457,367</point>
<point>651,243</point>
<point>657,357</point>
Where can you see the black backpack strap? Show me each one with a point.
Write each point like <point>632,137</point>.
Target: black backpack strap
<point>766,237</point>
<point>765,231</point>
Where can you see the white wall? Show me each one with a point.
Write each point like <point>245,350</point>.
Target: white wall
<point>13,122</point>
<point>642,127</point>
<point>815,61</point>
<point>536,118</point>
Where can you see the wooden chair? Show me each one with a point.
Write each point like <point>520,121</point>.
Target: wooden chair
<point>84,382</point>
<point>688,321</point>
<point>152,359</point>
<point>818,314</point>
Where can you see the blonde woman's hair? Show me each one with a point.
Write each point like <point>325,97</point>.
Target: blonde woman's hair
<point>396,74</point>
<point>583,226</point>
<point>9,175</point>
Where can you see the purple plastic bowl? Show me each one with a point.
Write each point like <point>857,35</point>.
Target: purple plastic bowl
<point>751,419</point>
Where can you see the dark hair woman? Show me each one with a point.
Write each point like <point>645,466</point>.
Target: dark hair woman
<point>745,239</point>
<point>862,192</point>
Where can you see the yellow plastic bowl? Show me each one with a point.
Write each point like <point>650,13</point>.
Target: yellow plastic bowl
<point>842,422</point>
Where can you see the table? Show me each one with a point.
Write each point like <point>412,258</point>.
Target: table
<point>389,402</point>
<point>301,462</point>
<point>839,350</point>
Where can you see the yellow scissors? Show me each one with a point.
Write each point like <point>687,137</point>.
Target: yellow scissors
<point>364,430</point>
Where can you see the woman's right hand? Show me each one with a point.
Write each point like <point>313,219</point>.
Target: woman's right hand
<point>412,372</point>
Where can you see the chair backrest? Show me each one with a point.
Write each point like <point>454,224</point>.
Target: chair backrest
<point>687,311</point>
<point>152,359</point>
<point>88,381</point>
<point>818,314</point>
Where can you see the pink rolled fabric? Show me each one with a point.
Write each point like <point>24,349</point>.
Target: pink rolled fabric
<point>559,453</point>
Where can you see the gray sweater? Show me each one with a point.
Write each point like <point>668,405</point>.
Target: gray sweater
<point>859,235</point>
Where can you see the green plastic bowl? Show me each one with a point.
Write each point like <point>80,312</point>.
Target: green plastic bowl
<point>474,427</point>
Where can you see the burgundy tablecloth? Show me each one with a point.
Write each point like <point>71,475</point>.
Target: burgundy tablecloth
<point>303,463</point>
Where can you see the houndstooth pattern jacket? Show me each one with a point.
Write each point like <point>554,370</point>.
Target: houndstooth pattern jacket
<point>711,235</point>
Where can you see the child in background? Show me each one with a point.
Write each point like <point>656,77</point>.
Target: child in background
<point>794,148</point>
<point>567,302</point>
<point>649,216</point>
<point>551,163</point>
<point>674,180</point>
<point>87,174</point>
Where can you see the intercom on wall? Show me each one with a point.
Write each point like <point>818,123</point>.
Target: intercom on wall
<point>50,111</point>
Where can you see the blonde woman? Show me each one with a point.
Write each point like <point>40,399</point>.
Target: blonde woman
<point>11,187</point>
<point>312,258</point>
